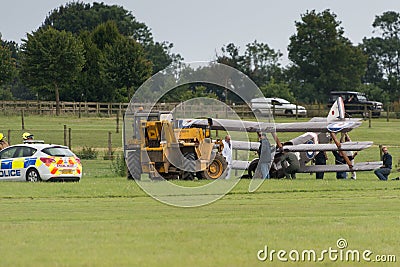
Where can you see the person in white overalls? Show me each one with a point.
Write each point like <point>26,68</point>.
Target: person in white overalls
<point>227,153</point>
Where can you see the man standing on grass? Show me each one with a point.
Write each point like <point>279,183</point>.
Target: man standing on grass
<point>384,171</point>
<point>265,156</point>
<point>227,153</point>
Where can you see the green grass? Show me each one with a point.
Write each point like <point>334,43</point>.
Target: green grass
<point>86,131</point>
<point>106,220</point>
<point>111,222</point>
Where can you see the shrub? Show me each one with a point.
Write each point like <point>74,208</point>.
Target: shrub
<point>87,153</point>
<point>118,165</point>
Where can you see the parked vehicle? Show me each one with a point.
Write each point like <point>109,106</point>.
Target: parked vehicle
<point>276,106</point>
<point>35,162</point>
<point>161,148</point>
<point>356,103</point>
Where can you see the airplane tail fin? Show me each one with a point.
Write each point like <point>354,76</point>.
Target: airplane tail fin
<point>337,111</point>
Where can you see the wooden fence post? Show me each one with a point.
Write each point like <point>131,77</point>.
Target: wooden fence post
<point>117,129</point>
<point>216,131</point>
<point>109,146</point>
<point>9,137</point>
<point>69,138</point>
<point>387,111</point>
<point>370,118</point>
<point>22,120</point>
<point>273,109</point>
<point>65,135</point>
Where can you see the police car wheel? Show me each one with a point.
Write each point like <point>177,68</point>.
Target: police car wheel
<point>32,175</point>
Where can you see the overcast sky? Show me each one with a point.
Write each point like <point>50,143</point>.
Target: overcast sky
<point>198,29</point>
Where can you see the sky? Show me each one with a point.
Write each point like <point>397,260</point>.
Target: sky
<point>198,29</point>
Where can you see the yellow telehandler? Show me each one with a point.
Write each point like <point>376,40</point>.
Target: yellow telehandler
<point>162,148</point>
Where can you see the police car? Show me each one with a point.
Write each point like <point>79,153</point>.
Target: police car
<point>35,162</point>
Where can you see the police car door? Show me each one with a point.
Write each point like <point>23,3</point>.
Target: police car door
<point>10,169</point>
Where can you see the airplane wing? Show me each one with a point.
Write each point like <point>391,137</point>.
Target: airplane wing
<point>317,127</point>
<point>254,126</point>
<point>244,145</point>
<point>240,164</point>
<point>234,125</point>
<point>360,166</point>
<point>324,119</point>
<point>347,146</point>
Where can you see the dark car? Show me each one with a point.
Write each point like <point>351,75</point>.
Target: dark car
<point>357,103</point>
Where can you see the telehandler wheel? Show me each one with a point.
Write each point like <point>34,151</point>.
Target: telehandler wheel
<point>216,169</point>
<point>135,168</point>
<point>190,164</point>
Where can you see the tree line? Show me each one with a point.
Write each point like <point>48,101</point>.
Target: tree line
<point>98,52</point>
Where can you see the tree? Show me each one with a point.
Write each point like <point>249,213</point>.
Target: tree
<point>77,17</point>
<point>116,65</point>
<point>126,65</point>
<point>92,82</point>
<point>14,88</point>
<point>281,90</point>
<point>7,65</point>
<point>51,61</point>
<point>7,70</point>
<point>374,92</point>
<point>384,54</point>
<point>230,56</point>
<point>323,59</point>
<point>259,61</point>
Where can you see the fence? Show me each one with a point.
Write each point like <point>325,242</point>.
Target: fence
<point>111,109</point>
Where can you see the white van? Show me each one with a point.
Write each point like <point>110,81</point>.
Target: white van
<point>278,106</point>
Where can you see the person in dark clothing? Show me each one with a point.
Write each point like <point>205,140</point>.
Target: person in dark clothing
<point>264,154</point>
<point>383,172</point>
<point>320,159</point>
<point>339,160</point>
<point>290,164</point>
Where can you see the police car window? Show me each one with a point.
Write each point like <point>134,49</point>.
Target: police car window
<point>19,153</point>
<point>8,153</point>
<point>58,151</point>
<point>28,151</point>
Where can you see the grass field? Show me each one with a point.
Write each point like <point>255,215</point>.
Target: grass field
<point>106,220</point>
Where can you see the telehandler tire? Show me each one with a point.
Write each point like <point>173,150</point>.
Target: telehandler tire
<point>216,169</point>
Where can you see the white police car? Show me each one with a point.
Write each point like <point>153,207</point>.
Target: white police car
<point>35,162</point>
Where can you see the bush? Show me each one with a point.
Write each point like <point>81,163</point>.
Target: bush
<point>108,156</point>
<point>87,153</point>
<point>118,165</point>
